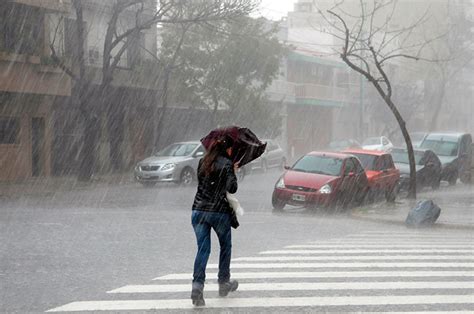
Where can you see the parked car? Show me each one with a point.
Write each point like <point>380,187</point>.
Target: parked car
<point>381,143</point>
<point>177,163</point>
<point>273,157</point>
<point>428,167</point>
<point>455,153</point>
<point>321,179</point>
<point>338,145</point>
<point>381,173</point>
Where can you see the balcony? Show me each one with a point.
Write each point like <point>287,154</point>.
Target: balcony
<point>26,74</point>
<point>281,90</point>
<point>330,95</point>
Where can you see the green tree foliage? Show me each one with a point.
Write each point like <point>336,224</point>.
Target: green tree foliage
<point>226,66</point>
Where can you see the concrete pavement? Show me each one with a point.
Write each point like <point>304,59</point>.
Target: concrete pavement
<point>456,203</point>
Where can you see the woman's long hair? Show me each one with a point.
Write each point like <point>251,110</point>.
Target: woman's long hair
<point>217,149</point>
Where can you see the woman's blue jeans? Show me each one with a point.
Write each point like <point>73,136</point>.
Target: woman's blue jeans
<point>202,222</point>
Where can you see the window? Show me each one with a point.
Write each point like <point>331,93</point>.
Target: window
<point>349,167</point>
<point>383,163</point>
<point>134,49</point>
<point>319,164</point>
<point>71,43</point>
<point>21,28</point>
<point>9,130</point>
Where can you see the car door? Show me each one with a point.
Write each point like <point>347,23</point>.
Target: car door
<point>349,178</point>
<point>197,155</point>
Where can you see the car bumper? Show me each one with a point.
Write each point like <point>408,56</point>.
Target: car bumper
<point>307,199</point>
<point>156,176</point>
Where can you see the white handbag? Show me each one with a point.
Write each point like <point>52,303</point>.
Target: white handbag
<point>235,204</point>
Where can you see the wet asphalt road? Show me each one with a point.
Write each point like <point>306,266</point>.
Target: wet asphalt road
<point>75,246</point>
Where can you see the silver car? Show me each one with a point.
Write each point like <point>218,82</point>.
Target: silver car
<point>274,156</point>
<point>176,163</point>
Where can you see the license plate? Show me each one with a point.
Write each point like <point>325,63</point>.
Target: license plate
<point>299,197</point>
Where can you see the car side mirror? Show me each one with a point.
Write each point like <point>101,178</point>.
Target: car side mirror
<point>287,167</point>
<point>198,154</point>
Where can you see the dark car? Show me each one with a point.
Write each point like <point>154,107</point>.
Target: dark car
<point>321,179</point>
<point>455,153</point>
<point>428,168</point>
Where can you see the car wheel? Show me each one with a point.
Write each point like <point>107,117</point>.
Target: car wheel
<point>453,179</point>
<point>277,204</point>
<point>466,179</point>
<point>148,184</point>
<point>187,177</point>
<point>435,185</point>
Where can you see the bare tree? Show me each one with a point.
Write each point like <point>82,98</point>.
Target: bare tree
<point>368,46</point>
<point>92,100</point>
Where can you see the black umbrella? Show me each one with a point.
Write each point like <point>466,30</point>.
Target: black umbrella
<point>247,146</point>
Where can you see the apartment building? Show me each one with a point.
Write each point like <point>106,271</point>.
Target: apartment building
<point>40,128</point>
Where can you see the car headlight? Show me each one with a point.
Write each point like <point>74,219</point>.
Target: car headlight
<point>168,167</point>
<point>281,183</point>
<point>325,189</point>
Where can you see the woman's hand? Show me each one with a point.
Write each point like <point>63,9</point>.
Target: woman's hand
<point>236,167</point>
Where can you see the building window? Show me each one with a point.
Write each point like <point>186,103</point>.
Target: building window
<point>134,50</point>
<point>21,28</point>
<point>9,130</point>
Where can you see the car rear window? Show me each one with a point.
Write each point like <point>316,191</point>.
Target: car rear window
<point>319,164</point>
<point>440,147</point>
<point>367,161</point>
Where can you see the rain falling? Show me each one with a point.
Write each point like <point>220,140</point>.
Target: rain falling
<point>239,156</point>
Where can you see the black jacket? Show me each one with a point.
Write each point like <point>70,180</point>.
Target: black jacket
<point>211,191</point>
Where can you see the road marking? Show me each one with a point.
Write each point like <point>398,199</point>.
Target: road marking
<point>386,242</point>
<point>303,286</point>
<point>381,246</point>
<point>405,236</point>
<point>400,264</point>
<point>367,257</point>
<point>348,251</point>
<point>348,274</point>
<point>143,305</point>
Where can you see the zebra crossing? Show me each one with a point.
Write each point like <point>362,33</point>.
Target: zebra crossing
<point>372,271</point>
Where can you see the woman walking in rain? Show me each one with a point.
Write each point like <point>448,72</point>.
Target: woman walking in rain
<point>211,210</point>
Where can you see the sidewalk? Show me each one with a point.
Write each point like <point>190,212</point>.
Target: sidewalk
<point>456,203</point>
<point>50,185</point>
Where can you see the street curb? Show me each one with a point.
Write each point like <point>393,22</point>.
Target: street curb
<point>402,223</point>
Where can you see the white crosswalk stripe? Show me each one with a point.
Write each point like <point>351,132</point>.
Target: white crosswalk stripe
<point>373,271</point>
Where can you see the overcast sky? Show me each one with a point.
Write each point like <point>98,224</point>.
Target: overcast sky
<point>276,9</point>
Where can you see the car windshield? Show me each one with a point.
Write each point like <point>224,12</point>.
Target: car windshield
<point>401,157</point>
<point>367,161</point>
<point>441,148</point>
<point>177,150</point>
<point>319,164</point>
<point>372,141</point>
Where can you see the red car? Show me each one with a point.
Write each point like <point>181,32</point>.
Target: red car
<point>381,171</point>
<point>321,179</point>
